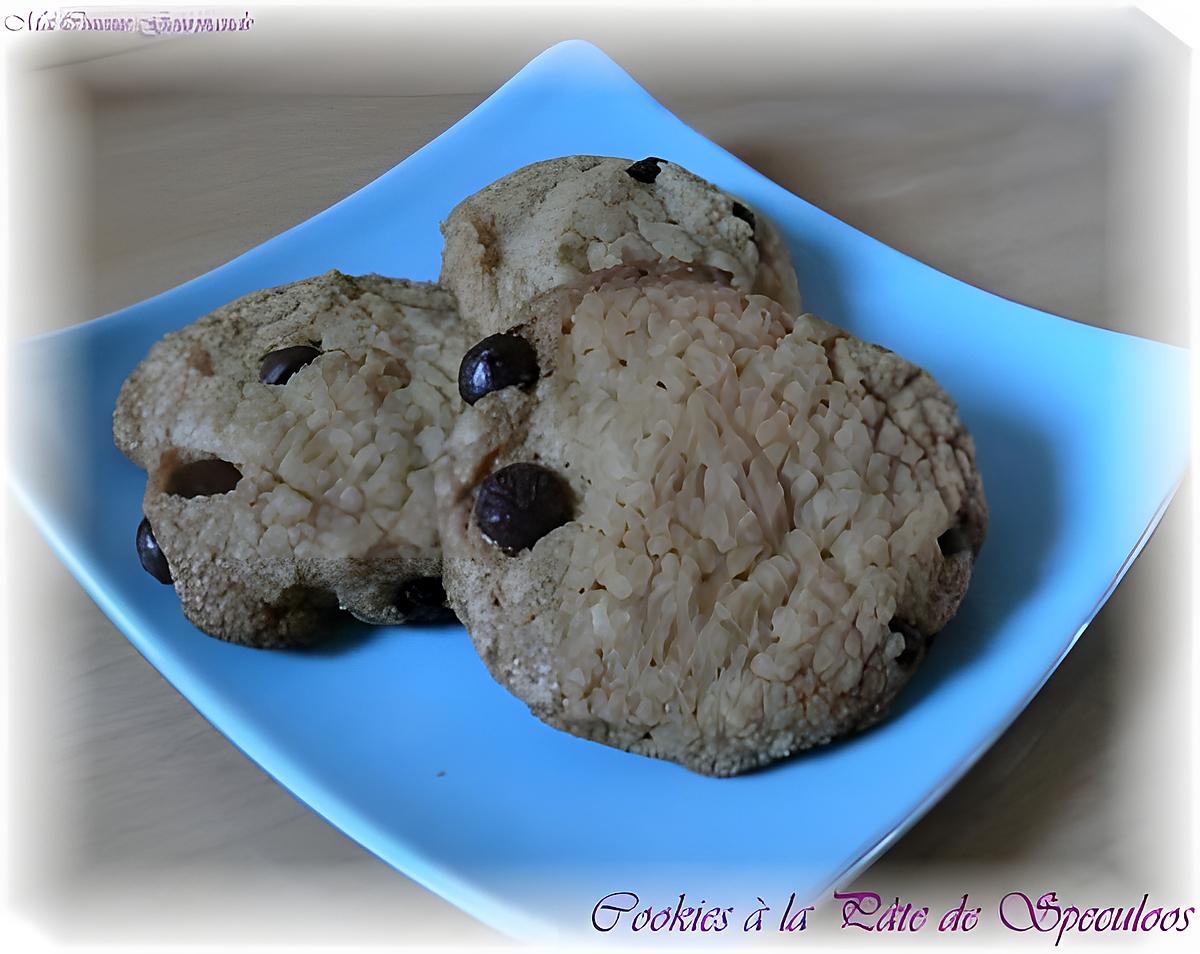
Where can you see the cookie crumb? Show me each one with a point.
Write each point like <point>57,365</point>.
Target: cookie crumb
<point>485,233</point>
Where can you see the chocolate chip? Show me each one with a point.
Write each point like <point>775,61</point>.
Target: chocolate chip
<point>913,640</point>
<point>203,478</point>
<point>645,170</point>
<point>498,361</point>
<point>423,600</point>
<point>954,541</point>
<point>280,365</point>
<point>154,561</point>
<point>521,503</point>
<point>741,212</point>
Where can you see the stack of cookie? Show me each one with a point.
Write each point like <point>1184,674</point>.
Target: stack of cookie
<point>675,514</point>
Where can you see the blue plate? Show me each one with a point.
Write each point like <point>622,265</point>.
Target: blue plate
<point>400,738</point>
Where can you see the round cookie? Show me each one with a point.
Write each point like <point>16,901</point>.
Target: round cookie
<point>289,439</point>
<point>550,222</point>
<point>707,532</point>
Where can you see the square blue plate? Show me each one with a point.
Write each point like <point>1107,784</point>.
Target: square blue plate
<point>400,738</point>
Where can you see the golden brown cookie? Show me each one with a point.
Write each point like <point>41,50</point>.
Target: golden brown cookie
<point>689,525</point>
<point>289,439</point>
<point>550,222</point>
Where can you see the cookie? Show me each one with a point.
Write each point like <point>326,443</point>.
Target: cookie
<point>288,440</point>
<point>552,221</point>
<point>708,531</point>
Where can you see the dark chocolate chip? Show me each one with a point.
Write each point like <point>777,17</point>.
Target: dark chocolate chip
<point>954,541</point>
<point>280,365</point>
<point>154,561</point>
<point>423,600</point>
<point>741,212</point>
<point>498,361</point>
<point>913,641</point>
<point>645,170</point>
<point>521,503</point>
<point>203,478</point>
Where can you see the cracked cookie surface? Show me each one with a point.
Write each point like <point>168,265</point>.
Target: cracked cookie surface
<point>709,532</point>
<point>550,222</point>
<point>289,439</point>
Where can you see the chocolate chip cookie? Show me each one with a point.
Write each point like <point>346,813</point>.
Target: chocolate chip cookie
<point>679,521</point>
<point>289,439</point>
<point>552,221</point>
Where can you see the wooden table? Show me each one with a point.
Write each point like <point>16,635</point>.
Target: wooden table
<point>1039,159</point>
